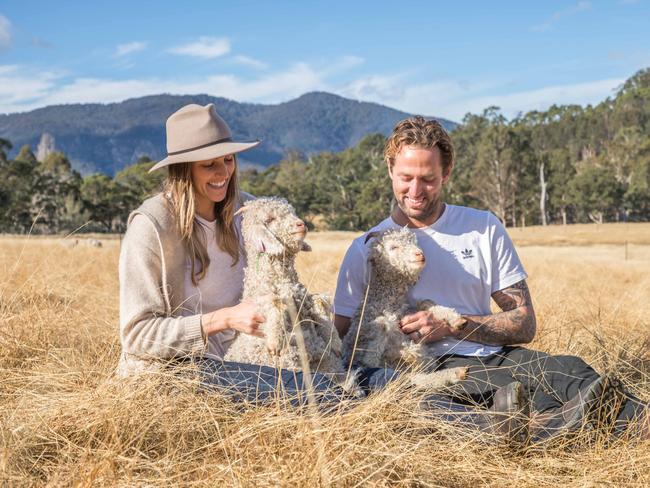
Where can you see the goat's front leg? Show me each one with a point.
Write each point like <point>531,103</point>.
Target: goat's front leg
<point>273,310</point>
<point>437,380</point>
<point>319,314</point>
<point>446,314</point>
<point>372,345</point>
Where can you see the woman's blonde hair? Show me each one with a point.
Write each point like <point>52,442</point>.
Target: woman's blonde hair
<point>179,189</point>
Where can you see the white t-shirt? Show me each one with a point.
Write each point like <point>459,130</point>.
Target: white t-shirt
<point>220,287</point>
<point>469,256</point>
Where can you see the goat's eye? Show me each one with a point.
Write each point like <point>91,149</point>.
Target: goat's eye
<point>268,220</point>
<point>392,248</point>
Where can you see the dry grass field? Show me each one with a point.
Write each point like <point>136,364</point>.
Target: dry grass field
<point>64,421</point>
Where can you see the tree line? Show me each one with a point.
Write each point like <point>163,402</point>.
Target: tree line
<point>563,165</point>
<point>49,196</point>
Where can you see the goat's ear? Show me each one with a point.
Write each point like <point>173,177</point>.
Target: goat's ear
<point>241,210</point>
<point>370,235</point>
<point>266,242</point>
<point>370,265</point>
<point>305,247</point>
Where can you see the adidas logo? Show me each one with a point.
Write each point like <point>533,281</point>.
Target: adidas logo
<point>467,253</point>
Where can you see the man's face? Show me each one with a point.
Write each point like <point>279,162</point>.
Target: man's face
<point>418,180</point>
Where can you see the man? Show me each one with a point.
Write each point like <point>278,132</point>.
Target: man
<point>470,260</point>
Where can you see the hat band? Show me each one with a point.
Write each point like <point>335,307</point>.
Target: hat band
<point>225,139</point>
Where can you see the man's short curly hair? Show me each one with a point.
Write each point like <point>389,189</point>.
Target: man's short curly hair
<point>419,132</point>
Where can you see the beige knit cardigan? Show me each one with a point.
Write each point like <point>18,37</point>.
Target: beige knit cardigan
<point>152,271</point>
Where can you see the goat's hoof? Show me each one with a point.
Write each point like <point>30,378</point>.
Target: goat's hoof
<point>425,304</point>
<point>458,324</point>
<point>274,349</point>
<point>462,373</point>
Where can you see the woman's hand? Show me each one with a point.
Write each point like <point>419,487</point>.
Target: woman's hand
<point>243,317</point>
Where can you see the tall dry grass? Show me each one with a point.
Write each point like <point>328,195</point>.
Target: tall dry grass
<point>64,421</point>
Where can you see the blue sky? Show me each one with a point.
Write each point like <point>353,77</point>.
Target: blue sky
<point>434,58</point>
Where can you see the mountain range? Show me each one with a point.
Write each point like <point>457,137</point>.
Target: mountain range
<point>104,138</point>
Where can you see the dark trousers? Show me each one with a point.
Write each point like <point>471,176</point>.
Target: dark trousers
<point>260,385</point>
<point>551,380</point>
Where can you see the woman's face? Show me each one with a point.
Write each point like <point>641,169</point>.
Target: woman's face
<point>210,179</point>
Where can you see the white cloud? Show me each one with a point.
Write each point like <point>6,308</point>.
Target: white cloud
<point>5,32</point>
<point>275,87</point>
<point>22,90</point>
<point>580,6</point>
<point>349,62</point>
<point>128,48</point>
<point>376,87</point>
<point>453,99</point>
<point>205,47</point>
<point>8,68</point>
<point>248,61</point>
<point>591,92</point>
<point>90,90</point>
<point>440,97</point>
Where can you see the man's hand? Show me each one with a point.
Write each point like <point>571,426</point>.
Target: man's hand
<point>424,327</point>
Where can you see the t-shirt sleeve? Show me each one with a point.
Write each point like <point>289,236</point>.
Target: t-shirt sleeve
<point>506,265</point>
<point>351,284</point>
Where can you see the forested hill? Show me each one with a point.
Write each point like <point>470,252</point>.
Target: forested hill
<point>104,138</point>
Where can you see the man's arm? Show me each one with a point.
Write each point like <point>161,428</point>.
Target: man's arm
<point>515,324</point>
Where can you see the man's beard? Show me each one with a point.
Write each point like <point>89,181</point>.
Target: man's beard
<point>423,214</point>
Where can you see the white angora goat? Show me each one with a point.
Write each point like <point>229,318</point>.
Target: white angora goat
<point>375,339</point>
<point>273,235</point>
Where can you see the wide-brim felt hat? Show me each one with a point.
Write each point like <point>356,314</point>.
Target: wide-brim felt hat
<point>197,133</point>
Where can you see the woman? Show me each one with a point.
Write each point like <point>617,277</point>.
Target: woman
<point>181,264</point>
<point>181,274</point>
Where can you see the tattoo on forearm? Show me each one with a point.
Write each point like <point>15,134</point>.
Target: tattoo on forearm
<point>515,296</point>
<point>514,325</point>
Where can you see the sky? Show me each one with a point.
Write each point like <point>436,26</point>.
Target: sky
<point>434,58</point>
